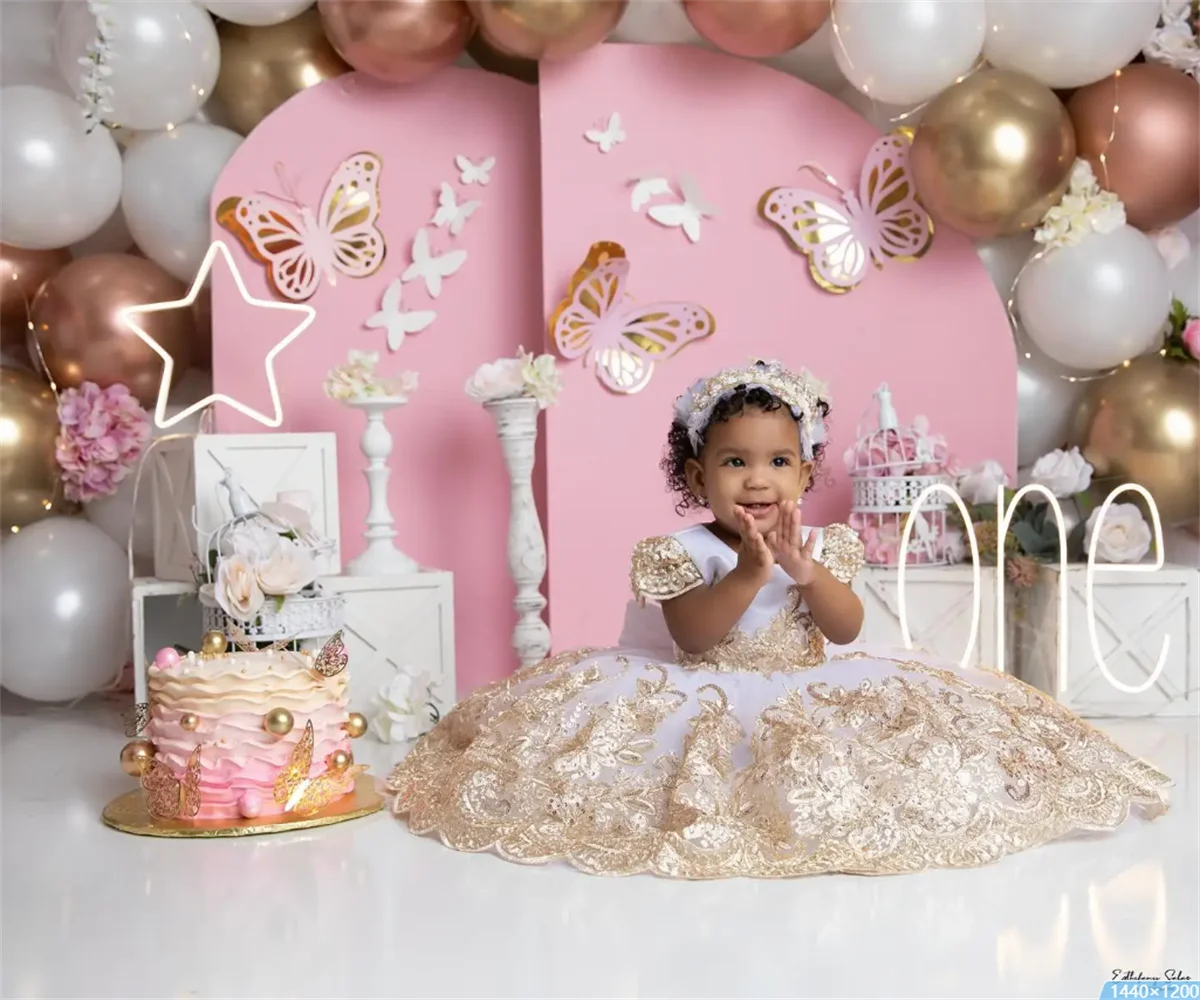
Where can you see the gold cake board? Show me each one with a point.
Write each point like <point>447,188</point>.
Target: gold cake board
<point>128,814</point>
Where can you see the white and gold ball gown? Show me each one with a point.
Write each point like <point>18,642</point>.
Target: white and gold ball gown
<point>761,757</point>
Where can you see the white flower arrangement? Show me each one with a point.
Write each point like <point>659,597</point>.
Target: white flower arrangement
<point>356,380</point>
<point>1174,42</point>
<point>1124,536</point>
<point>94,88</point>
<point>525,375</point>
<point>406,708</point>
<point>1064,473</point>
<point>1084,209</point>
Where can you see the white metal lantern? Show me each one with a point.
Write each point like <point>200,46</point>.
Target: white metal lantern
<point>890,467</point>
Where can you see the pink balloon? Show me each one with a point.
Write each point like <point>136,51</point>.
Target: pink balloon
<point>397,41</point>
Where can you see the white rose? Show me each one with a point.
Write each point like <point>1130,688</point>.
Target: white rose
<point>496,380</point>
<point>403,711</point>
<point>1174,45</point>
<point>1063,473</point>
<point>1173,244</point>
<point>236,588</point>
<point>1124,537</point>
<point>288,570</point>
<point>980,482</point>
<point>541,378</point>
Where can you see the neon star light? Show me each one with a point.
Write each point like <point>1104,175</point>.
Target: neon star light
<point>129,313</point>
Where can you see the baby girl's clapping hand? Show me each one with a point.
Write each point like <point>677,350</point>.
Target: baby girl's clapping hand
<point>755,561</point>
<point>795,557</point>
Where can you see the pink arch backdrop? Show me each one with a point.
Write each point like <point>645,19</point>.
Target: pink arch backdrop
<point>935,329</point>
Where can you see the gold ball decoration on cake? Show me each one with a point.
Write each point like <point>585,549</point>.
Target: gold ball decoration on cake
<point>339,760</point>
<point>213,644</point>
<point>189,721</point>
<point>278,722</point>
<point>355,725</point>
<point>135,756</point>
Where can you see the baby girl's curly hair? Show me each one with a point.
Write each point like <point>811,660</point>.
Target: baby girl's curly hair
<point>679,445</point>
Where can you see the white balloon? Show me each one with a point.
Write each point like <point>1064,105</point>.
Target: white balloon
<point>1045,404</point>
<point>1067,43</point>
<point>27,44</point>
<point>656,22</point>
<point>64,631</point>
<point>1096,304</point>
<point>112,237</point>
<point>907,51</point>
<point>1004,257</point>
<point>58,183</point>
<point>164,58</point>
<point>1185,281</point>
<point>257,12</point>
<point>813,61</point>
<point>884,117</point>
<point>169,179</point>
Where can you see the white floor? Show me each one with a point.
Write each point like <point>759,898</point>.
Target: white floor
<point>367,910</point>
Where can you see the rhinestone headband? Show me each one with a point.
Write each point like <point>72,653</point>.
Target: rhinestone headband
<point>799,391</point>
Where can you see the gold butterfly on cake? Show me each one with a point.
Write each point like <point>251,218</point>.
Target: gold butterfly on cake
<point>245,644</point>
<point>297,792</point>
<point>169,797</point>
<point>332,658</point>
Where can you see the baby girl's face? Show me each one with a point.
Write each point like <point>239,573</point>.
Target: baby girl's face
<point>751,460</point>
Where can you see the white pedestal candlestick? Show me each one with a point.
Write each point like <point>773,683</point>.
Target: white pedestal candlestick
<point>381,556</point>
<point>516,425</point>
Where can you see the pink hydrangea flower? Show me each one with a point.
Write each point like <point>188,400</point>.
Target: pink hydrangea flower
<point>1191,338</point>
<point>103,433</point>
<point>882,543</point>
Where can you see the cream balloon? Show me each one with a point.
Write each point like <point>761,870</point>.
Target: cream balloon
<point>168,183</point>
<point>1067,43</point>
<point>60,182</point>
<point>257,12</point>
<point>906,51</point>
<point>164,58</point>
<point>1096,304</point>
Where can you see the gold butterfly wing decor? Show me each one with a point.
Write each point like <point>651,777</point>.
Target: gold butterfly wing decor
<point>333,658</point>
<point>297,792</point>
<point>169,797</point>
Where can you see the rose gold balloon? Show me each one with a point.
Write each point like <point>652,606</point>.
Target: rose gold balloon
<point>525,70</point>
<point>22,274</point>
<point>1145,121</point>
<point>30,479</point>
<point>545,29</point>
<point>202,338</point>
<point>757,28</point>
<point>992,154</point>
<point>261,67</point>
<point>77,321</point>
<point>398,41</point>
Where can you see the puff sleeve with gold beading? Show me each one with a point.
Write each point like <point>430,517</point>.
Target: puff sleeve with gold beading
<point>841,552</point>
<point>661,569</point>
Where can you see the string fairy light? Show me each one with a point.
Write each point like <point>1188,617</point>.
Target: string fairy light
<point>129,313</point>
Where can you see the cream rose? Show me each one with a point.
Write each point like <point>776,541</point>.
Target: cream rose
<point>496,380</point>
<point>287,570</point>
<point>540,377</point>
<point>236,589</point>
<point>1063,473</point>
<point>1123,538</point>
<point>254,540</point>
<point>980,482</point>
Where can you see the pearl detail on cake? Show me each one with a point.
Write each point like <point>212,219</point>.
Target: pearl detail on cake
<point>166,658</point>
<point>355,725</point>
<point>189,721</point>
<point>250,804</point>
<point>213,644</point>
<point>339,760</point>
<point>278,722</point>
<point>135,756</point>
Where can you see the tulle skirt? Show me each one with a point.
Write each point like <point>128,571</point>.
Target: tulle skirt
<point>620,763</point>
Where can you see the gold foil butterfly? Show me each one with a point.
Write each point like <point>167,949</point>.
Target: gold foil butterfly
<point>168,797</point>
<point>332,658</point>
<point>245,644</point>
<point>297,792</point>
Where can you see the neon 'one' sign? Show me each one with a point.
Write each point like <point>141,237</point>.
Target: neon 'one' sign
<point>1004,519</point>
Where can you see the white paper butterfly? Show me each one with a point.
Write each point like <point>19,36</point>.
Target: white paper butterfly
<point>398,323</point>
<point>645,188</point>
<point>474,173</point>
<point>429,268</point>
<point>450,212</point>
<point>685,215</point>
<point>610,136</point>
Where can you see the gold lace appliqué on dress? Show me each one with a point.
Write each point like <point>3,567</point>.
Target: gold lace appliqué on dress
<point>842,552</point>
<point>790,641</point>
<point>661,569</point>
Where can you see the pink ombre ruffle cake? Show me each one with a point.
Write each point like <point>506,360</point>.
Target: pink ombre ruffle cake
<point>230,695</point>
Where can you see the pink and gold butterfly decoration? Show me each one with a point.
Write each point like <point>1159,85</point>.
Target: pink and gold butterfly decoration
<point>883,222</point>
<point>169,797</point>
<point>300,794</point>
<point>301,247</point>
<point>622,339</point>
<point>333,658</point>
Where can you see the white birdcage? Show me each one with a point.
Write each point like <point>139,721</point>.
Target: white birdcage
<point>890,467</point>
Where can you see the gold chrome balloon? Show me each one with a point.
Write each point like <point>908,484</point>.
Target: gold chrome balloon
<point>355,725</point>
<point>278,722</point>
<point>992,154</point>
<point>135,756</point>
<point>1142,425</point>
<point>30,479</point>
<point>261,67</point>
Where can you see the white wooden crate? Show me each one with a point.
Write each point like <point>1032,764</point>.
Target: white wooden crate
<point>938,600</point>
<point>1134,611</point>
<point>398,623</point>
